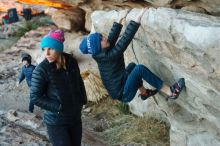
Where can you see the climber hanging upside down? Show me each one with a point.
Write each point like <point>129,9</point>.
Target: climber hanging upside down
<point>122,83</point>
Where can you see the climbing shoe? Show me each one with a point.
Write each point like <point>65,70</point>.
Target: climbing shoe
<point>148,93</point>
<point>176,89</point>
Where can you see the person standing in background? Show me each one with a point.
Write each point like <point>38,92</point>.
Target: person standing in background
<point>26,72</point>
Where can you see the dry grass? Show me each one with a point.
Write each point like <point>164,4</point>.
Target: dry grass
<point>119,127</point>
<point>94,86</point>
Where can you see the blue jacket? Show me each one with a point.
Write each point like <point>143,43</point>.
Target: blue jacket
<point>111,62</point>
<point>26,72</point>
<point>61,93</point>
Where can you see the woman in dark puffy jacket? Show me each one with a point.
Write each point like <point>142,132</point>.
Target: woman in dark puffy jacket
<point>58,88</point>
<point>123,83</point>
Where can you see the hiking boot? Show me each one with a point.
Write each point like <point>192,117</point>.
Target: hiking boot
<point>148,93</point>
<point>176,89</point>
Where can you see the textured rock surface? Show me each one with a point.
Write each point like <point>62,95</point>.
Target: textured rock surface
<point>19,128</point>
<point>69,20</point>
<point>174,44</point>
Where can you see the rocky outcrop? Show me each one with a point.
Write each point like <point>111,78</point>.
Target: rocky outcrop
<point>70,15</point>
<point>174,44</point>
<point>210,7</point>
<point>20,128</point>
<point>69,20</point>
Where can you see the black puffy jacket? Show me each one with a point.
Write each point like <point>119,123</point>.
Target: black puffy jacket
<point>111,62</point>
<point>60,92</point>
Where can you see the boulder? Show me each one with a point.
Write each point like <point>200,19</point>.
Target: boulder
<point>69,20</point>
<point>174,44</point>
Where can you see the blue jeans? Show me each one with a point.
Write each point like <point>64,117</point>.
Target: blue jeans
<point>65,135</point>
<point>134,80</point>
<point>30,105</point>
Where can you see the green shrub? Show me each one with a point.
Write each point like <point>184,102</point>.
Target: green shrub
<point>32,24</point>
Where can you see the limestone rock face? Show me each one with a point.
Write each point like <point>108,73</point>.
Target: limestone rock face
<point>174,44</point>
